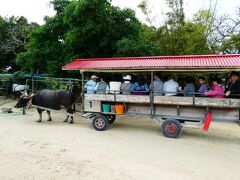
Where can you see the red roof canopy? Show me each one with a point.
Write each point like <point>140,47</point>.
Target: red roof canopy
<point>191,62</point>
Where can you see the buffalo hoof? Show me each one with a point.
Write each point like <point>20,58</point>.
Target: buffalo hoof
<point>65,121</point>
<point>71,122</point>
<point>49,120</point>
<point>39,121</point>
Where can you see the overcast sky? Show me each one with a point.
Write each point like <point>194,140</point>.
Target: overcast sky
<point>35,10</point>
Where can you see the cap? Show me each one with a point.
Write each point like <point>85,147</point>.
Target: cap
<point>94,77</point>
<point>127,77</point>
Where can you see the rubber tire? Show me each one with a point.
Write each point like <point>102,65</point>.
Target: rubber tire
<point>105,121</point>
<point>111,119</point>
<point>176,124</point>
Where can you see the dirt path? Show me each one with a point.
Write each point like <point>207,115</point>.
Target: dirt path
<point>132,148</point>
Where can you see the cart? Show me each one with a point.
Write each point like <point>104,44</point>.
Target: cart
<point>173,113</point>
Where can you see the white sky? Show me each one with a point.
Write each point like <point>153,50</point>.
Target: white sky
<point>35,10</point>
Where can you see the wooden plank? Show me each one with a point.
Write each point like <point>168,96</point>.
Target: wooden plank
<point>138,109</point>
<point>173,100</point>
<point>92,106</point>
<point>99,97</point>
<point>133,98</point>
<point>217,102</point>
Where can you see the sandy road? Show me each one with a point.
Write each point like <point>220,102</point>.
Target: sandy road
<point>132,148</point>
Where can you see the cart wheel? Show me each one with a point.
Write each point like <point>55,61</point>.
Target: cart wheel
<point>100,123</point>
<point>111,118</point>
<point>171,128</point>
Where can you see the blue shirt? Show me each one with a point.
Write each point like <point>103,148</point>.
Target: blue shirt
<point>139,89</point>
<point>90,86</point>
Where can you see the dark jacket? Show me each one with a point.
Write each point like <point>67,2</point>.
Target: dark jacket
<point>234,89</point>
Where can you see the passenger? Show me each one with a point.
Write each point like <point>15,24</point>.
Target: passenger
<point>233,87</point>
<point>181,83</point>
<point>189,89</point>
<point>157,85</point>
<point>140,87</point>
<point>126,85</point>
<point>91,84</point>
<point>202,88</point>
<point>102,87</point>
<point>217,90</point>
<point>171,87</point>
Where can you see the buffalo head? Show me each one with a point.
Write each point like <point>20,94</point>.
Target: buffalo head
<point>23,102</point>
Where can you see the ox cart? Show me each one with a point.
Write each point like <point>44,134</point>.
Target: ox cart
<point>172,112</point>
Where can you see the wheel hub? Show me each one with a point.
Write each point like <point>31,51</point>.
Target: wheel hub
<point>99,123</point>
<point>171,128</point>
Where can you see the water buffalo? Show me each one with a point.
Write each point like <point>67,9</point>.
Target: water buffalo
<point>52,99</point>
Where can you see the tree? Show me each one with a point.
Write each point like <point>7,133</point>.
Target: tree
<point>145,44</point>
<point>96,27</point>
<point>14,33</point>
<point>181,37</point>
<point>45,50</point>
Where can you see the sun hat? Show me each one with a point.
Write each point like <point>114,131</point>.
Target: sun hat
<point>127,77</point>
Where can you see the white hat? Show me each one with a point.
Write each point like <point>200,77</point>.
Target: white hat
<point>127,77</point>
<point>94,77</point>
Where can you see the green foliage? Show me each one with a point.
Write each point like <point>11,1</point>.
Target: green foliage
<point>45,50</point>
<point>14,33</point>
<point>96,26</point>
<point>144,45</point>
<point>232,45</point>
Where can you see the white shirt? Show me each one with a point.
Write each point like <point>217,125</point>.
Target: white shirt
<point>170,88</point>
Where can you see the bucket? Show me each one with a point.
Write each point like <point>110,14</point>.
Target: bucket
<point>119,108</point>
<point>106,107</point>
<point>115,87</point>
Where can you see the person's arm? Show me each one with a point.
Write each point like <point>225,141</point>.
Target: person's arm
<point>146,87</point>
<point>107,89</point>
<point>85,86</point>
<point>211,93</point>
<point>96,87</point>
<point>132,88</point>
<point>164,88</point>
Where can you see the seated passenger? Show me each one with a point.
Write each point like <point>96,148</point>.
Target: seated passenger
<point>102,87</point>
<point>91,84</point>
<point>157,85</point>
<point>189,89</point>
<point>217,90</point>
<point>140,87</point>
<point>181,83</point>
<point>126,85</point>
<point>202,88</point>
<point>171,87</point>
<point>233,87</point>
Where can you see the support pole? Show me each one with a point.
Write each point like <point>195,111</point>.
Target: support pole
<point>82,94</point>
<point>152,96</point>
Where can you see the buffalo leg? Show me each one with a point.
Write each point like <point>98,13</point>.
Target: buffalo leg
<point>49,116</point>
<point>71,112</point>
<point>66,120</point>
<point>40,115</point>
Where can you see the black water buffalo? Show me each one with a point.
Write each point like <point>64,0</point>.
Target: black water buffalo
<point>52,99</point>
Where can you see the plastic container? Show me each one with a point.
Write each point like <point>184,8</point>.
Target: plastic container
<point>106,107</point>
<point>115,87</point>
<point>119,108</point>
